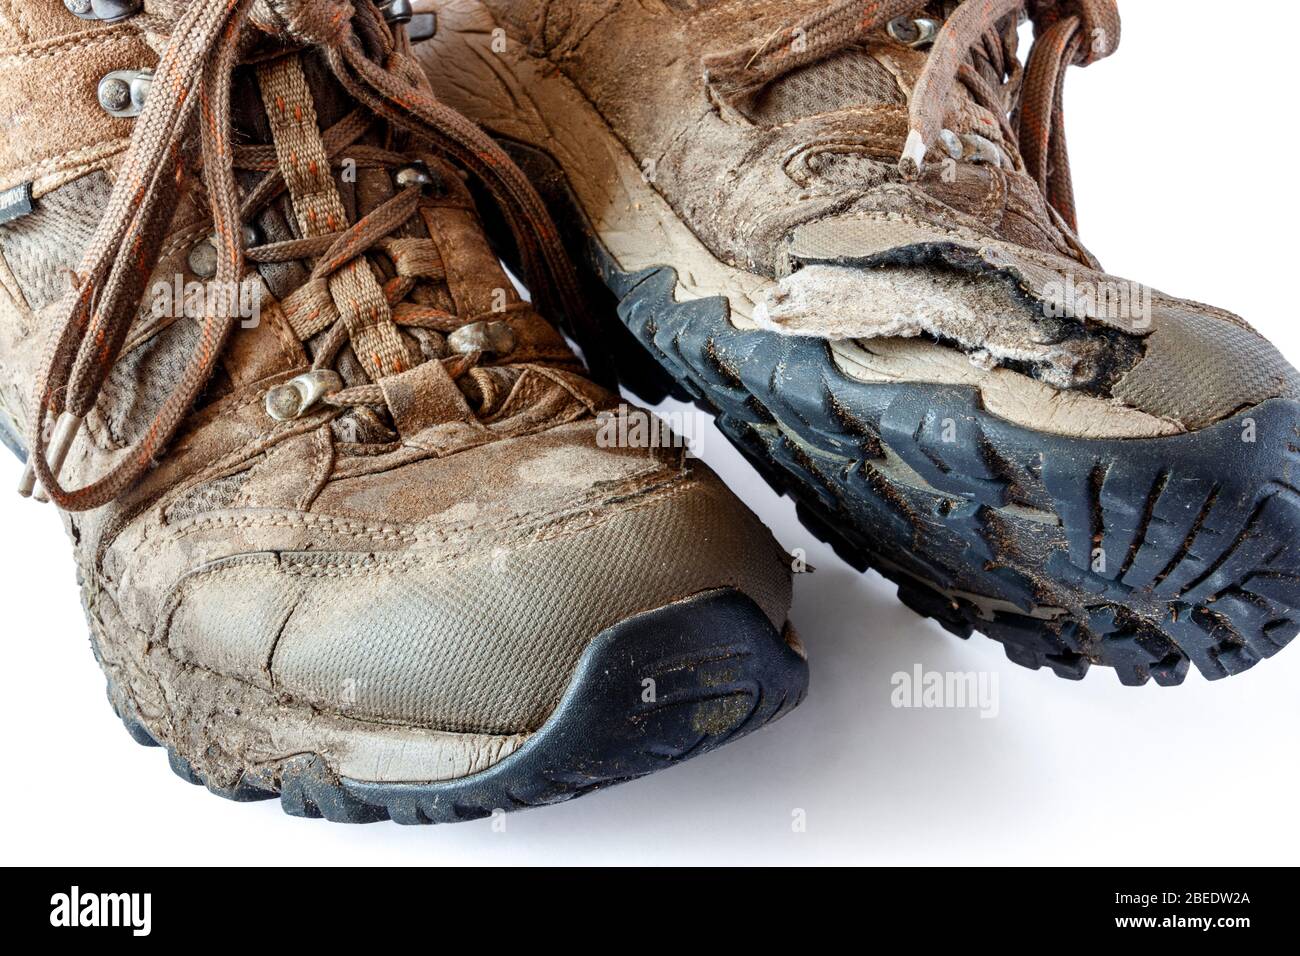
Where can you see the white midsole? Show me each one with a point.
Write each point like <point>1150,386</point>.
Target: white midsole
<point>265,733</point>
<point>524,98</point>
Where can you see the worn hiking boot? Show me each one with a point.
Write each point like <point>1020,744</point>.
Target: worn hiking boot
<point>848,228</point>
<point>352,526</point>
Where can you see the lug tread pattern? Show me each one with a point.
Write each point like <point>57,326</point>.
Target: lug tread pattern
<point>1200,533</point>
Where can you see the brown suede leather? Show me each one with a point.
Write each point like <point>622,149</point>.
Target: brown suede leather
<point>818,182</point>
<point>49,58</point>
<point>642,67</point>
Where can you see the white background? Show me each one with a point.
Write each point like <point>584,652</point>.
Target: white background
<point>1181,146</point>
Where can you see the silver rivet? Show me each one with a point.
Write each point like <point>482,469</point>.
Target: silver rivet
<point>416,174</point>
<point>122,93</point>
<point>107,11</point>
<point>914,33</point>
<point>497,338</point>
<point>398,11</point>
<point>114,94</point>
<point>283,403</point>
<point>301,394</point>
<point>412,176</point>
<point>203,259</point>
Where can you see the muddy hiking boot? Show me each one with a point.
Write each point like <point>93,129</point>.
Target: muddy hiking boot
<point>849,230</point>
<point>347,529</point>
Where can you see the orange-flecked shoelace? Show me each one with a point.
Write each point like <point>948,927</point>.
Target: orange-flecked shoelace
<point>192,87</point>
<point>1066,32</point>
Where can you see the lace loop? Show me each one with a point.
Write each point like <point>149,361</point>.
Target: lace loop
<point>1098,20</point>
<point>206,42</point>
<point>1066,32</point>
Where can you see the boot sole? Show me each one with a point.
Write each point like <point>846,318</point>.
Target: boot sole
<point>1144,555</point>
<point>720,671</point>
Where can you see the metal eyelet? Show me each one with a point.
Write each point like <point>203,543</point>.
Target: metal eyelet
<point>105,11</point>
<point>951,143</point>
<point>397,11</point>
<point>496,338</point>
<point>122,93</point>
<point>416,174</point>
<point>203,256</point>
<point>983,151</point>
<point>419,26</point>
<point>301,394</point>
<point>914,32</point>
<point>419,174</point>
<point>422,27</point>
<point>203,259</point>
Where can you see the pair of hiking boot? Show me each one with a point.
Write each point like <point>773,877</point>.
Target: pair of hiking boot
<point>350,524</point>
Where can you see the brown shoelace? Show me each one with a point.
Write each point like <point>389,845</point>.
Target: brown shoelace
<point>1066,32</point>
<point>192,87</point>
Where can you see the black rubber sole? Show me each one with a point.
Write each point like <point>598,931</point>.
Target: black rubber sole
<point>720,670</point>
<point>1142,555</point>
